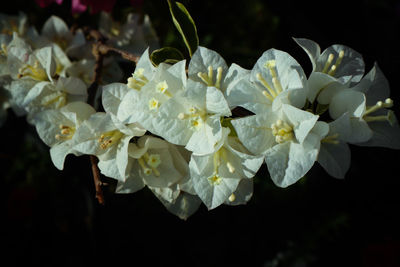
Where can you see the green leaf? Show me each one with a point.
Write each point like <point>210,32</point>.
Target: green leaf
<point>167,55</point>
<point>185,25</point>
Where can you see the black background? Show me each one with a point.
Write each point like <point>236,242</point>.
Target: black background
<point>51,217</point>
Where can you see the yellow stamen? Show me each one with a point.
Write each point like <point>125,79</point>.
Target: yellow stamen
<point>58,98</point>
<point>66,132</point>
<point>282,131</point>
<point>3,50</point>
<point>162,87</point>
<point>331,139</point>
<point>36,72</point>
<point>146,170</point>
<point>269,93</point>
<point>109,138</point>
<point>208,78</point>
<point>138,80</point>
<point>328,63</point>
<point>154,104</point>
<point>332,69</point>
<point>215,180</point>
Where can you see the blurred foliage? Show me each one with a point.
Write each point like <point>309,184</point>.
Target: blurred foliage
<point>52,217</point>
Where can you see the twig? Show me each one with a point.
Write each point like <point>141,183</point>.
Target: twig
<point>92,90</point>
<point>96,179</point>
<point>97,72</point>
<point>105,49</point>
<point>99,50</point>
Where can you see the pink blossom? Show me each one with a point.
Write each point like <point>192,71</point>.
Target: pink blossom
<point>45,3</point>
<point>77,7</point>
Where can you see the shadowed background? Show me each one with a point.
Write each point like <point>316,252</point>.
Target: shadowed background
<point>51,217</point>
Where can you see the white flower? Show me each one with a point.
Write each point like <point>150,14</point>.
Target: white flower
<point>275,79</point>
<point>11,24</point>
<point>289,139</point>
<point>132,36</point>
<point>54,96</point>
<point>208,67</point>
<point>216,176</point>
<point>184,206</point>
<point>193,119</point>
<point>104,136</point>
<point>158,163</point>
<point>337,64</point>
<point>24,63</point>
<point>366,107</point>
<point>57,129</point>
<point>163,168</point>
<point>334,155</point>
<point>82,69</point>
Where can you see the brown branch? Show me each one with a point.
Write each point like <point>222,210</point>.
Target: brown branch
<point>99,50</point>
<point>97,180</point>
<point>105,49</point>
<point>92,90</point>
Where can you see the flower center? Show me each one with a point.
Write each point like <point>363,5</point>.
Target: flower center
<point>282,131</point>
<point>149,163</point>
<point>58,98</point>
<point>208,78</point>
<point>390,117</point>
<point>220,157</point>
<point>162,87</point>
<point>3,50</point>
<point>109,138</point>
<point>138,80</point>
<point>13,27</point>
<point>273,91</point>
<point>36,72</point>
<point>154,104</point>
<point>66,132</point>
<point>215,180</point>
<point>195,116</point>
<point>328,67</point>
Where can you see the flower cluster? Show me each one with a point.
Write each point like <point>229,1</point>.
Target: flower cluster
<point>173,128</point>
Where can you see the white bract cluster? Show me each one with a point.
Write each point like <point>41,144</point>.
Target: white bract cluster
<point>173,127</point>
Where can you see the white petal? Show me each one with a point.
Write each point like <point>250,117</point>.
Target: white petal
<point>55,27</point>
<point>132,184</point>
<point>349,101</point>
<point>374,85</point>
<point>247,95</point>
<point>202,59</point>
<point>203,140</point>
<point>184,206</point>
<point>335,159</point>
<point>301,121</point>
<point>58,153</point>
<point>216,102</point>
<point>112,96</point>
<point>255,133</point>
<point>316,82</point>
<point>109,168</point>
<point>351,69</point>
<point>243,193</point>
<point>312,49</point>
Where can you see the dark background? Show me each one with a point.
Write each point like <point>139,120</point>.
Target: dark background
<point>50,217</point>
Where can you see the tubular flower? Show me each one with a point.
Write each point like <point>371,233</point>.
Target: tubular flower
<point>336,64</point>
<point>275,79</point>
<point>289,139</point>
